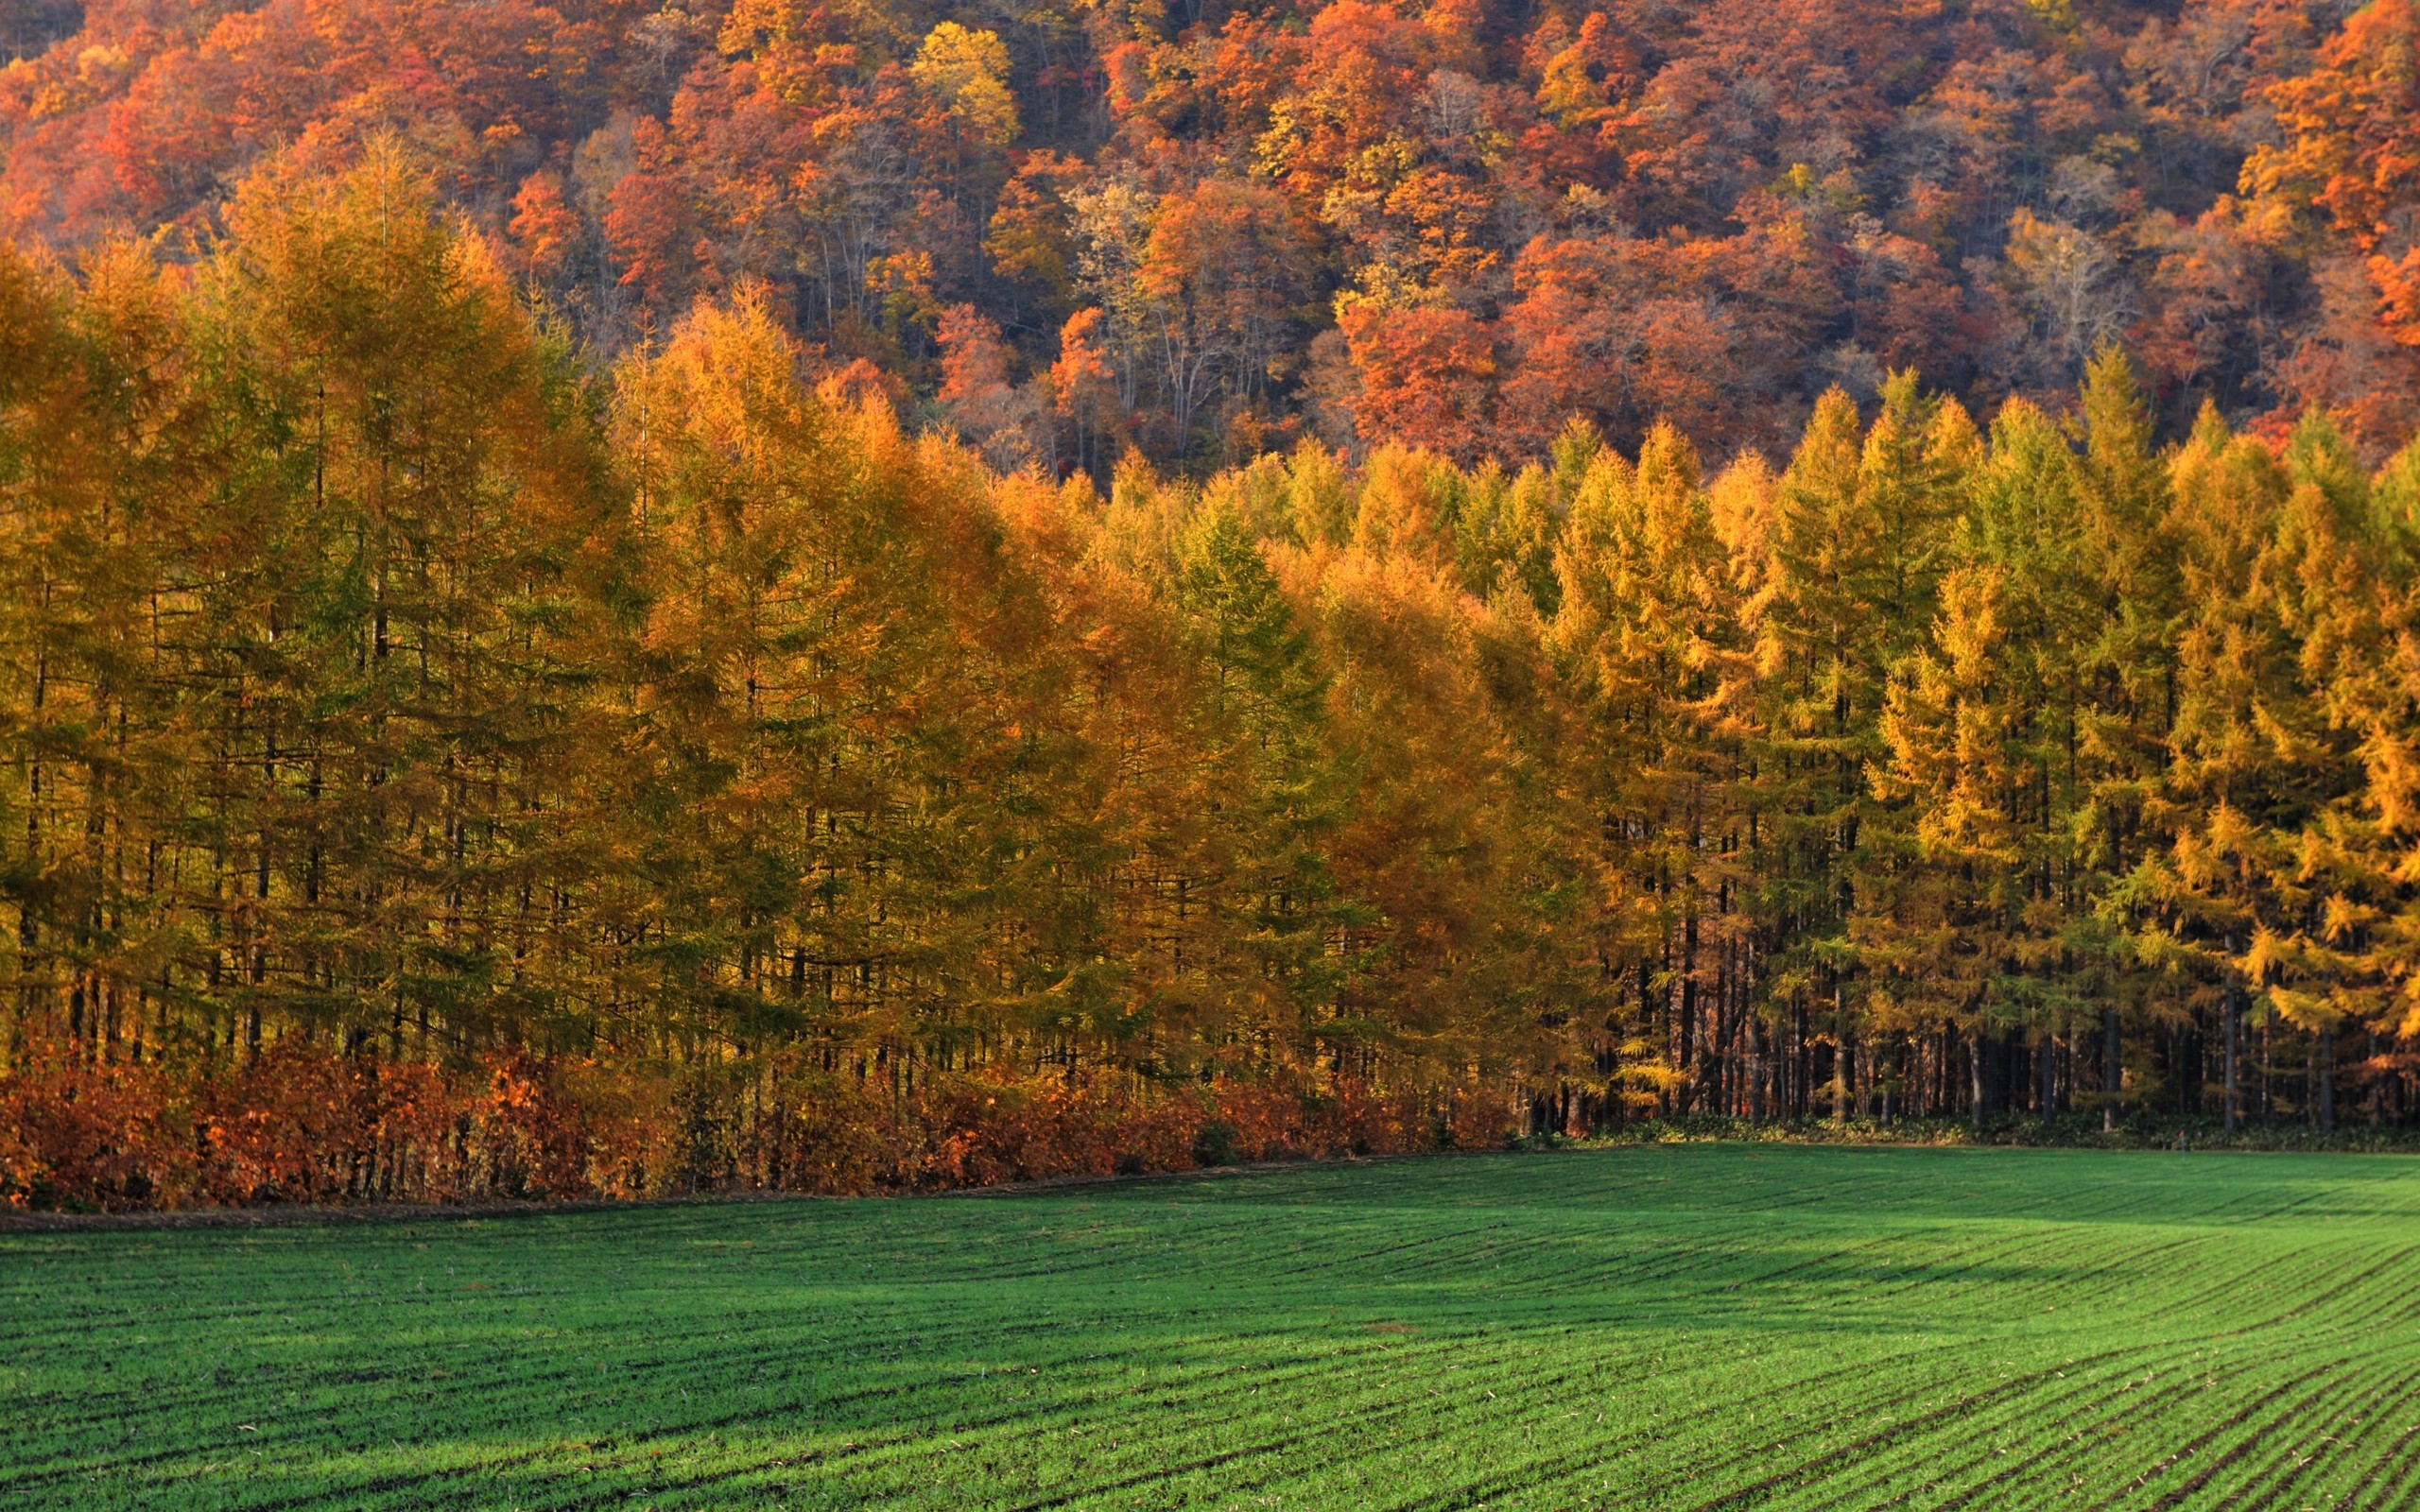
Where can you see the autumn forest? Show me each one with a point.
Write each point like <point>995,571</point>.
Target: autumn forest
<point>609,601</point>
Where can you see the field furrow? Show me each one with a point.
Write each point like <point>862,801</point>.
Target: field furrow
<point>1685,1328</point>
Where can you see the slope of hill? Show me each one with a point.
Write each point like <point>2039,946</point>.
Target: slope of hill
<point>1207,228</point>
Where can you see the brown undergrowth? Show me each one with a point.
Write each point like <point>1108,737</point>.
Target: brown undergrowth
<point>306,1126</point>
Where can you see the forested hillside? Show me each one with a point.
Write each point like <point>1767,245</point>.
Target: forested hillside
<point>1208,231</point>
<point>608,604</point>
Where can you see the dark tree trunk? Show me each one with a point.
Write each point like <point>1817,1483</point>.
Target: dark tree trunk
<point>1843,1052</point>
<point>2046,1075</point>
<point>2326,1075</point>
<point>1976,1049</point>
<point>2111,1069</point>
<point>1803,1058</point>
<point>2234,1009</point>
<point>1755,1069</point>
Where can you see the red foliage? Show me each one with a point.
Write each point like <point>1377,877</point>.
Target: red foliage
<point>543,227</point>
<point>1428,378</point>
<point>1625,333</point>
<point>311,1125</point>
<point>1805,191</point>
<point>2353,149</point>
<point>988,410</point>
<point>91,1136</point>
<point>649,225</point>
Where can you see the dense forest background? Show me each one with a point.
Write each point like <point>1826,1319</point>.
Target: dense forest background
<point>617,602</point>
<point>1210,231</point>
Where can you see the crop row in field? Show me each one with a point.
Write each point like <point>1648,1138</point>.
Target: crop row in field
<point>1683,1327</point>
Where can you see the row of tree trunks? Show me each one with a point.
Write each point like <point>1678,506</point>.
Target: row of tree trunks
<point>1739,1063</point>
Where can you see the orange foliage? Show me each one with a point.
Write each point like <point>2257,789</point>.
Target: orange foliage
<point>1802,193</point>
<point>543,227</point>
<point>1427,377</point>
<point>2353,149</point>
<point>309,1124</point>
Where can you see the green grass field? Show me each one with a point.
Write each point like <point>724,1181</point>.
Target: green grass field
<point>1681,1327</point>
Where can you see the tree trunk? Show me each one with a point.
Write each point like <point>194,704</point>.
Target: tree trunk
<point>1974,1044</point>
<point>2112,1070</point>
<point>2233,1009</point>
<point>2268,1097</point>
<point>1897,1065</point>
<point>2326,1075</point>
<point>1843,1052</point>
<point>1803,1105</point>
<point>1757,1054</point>
<point>2046,1074</point>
